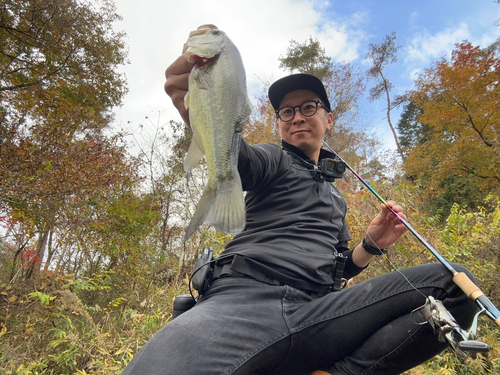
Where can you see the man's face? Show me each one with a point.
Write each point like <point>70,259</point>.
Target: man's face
<point>305,133</point>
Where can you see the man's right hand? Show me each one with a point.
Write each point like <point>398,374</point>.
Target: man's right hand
<point>176,86</point>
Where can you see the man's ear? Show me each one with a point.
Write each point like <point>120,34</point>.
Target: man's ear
<point>329,121</point>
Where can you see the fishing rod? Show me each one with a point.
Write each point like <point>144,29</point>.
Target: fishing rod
<point>459,278</point>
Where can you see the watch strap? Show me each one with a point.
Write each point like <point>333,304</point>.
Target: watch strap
<point>373,250</point>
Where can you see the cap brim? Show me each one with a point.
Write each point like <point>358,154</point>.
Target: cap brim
<point>302,81</point>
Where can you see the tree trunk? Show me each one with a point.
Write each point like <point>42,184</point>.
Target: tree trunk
<point>40,251</point>
<point>388,97</point>
<point>50,252</point>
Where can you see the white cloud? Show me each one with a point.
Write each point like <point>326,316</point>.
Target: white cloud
<point>413,19</point>
<point>415,72</point>
<point>425,48</point>
<point>344,38</point>
<point>261,29</point>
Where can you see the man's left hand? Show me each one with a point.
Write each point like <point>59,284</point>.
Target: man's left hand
<point>386,228</point>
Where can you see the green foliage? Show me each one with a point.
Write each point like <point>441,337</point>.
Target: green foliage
<point>42,297</point>
<point>76,335</point>
<point>455,189</point>
<point>32,369</point>
<point>307,57</point>
<point>468,237</point>
<point>472,238</point>
<point>59,83</point>
<point>98,282</point>
<point>381,55</point>
<point>411,131</point>
<point>112,249</point>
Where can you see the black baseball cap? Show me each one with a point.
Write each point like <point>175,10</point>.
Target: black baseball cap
<point>302,81</point>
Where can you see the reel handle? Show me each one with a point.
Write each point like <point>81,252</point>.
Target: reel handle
<point>473,346</point>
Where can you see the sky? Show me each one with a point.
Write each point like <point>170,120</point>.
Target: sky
<point>262,30</point>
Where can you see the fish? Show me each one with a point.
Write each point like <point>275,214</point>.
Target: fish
<point>218,108</point>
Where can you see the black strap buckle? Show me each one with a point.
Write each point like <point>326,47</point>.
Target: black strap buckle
<point>338,281</point>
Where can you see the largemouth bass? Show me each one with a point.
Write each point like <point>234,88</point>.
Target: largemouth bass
<point>218,106</point>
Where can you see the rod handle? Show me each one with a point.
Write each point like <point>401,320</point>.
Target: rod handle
<point>474,293</point>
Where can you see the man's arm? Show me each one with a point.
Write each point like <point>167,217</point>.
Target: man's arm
<point>382,232</point>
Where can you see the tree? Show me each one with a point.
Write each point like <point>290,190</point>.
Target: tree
<point>460,102</point>
<point>345,86</point>
<point>58,85</point>
<point>411,131</point>
<point>307,57</point>
<point>381,55</point>
<point>261,126</point>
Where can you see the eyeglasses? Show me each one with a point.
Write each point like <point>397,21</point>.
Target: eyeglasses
<point>307,109</point>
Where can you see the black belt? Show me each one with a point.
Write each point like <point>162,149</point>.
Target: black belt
<point>226,271</point>
<point>244,267</point>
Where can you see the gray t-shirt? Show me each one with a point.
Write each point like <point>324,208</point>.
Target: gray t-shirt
<point>295,222</point>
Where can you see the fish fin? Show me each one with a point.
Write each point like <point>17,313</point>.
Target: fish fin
<point>248,109</point>
<point>246,115</point>
<point>193,156</point>
<point>221,205</point>
<point>186,100</point>
<point>228,213</point>
<point>236,146</point>
<point>203,79</point>
<point>202,210</point>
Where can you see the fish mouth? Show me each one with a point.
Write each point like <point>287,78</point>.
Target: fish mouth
<point>203,29</point>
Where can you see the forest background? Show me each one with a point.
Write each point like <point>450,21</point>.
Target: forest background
<point>91,224</point>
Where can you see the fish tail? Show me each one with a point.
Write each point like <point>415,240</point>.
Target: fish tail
<point>221,205</point>
<point>228,212</point>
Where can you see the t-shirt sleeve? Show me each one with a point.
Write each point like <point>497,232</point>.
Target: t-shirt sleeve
<point>259,164</point>
<point>350,269</point>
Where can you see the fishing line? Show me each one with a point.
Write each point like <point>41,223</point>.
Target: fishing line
<point>395,268</point>
<point>391,263</point>
<point>459,278</point>
<point>310,166</point>
<point>404,276</point>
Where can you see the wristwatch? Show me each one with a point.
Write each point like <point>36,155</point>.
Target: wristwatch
<point>373,250</point>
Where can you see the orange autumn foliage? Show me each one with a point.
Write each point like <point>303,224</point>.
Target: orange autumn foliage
<point>460,100</point>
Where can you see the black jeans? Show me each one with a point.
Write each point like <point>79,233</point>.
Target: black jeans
<point>242,326</point>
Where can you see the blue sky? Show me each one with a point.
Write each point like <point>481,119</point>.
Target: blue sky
<point>262,30</point>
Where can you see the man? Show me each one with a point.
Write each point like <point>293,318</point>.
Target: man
<point>270,309</point>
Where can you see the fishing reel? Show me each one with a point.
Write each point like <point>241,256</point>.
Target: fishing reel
<point>444,324</point>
